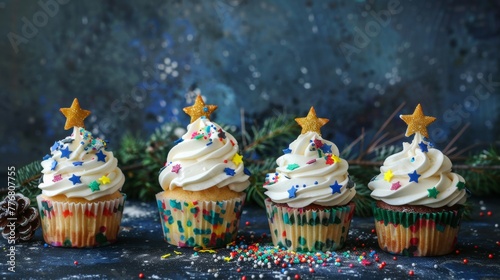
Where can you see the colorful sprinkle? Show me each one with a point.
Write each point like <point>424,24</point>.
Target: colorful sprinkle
<point>229,171</point>
<point>65,153</point>
<point>104,180</point>
<point>292,166</point>
<point>101,156</point>
<point>237,159</point>
<point>423,147</point>
<point>414,176</point>
<point>94,186</point>
<point>388,175</point>
<point>292,192</point>
<point>433,192</point>
<point>75,179</point>
<point>176,168</point>
<point>395,186</point>
<point>336,187</point>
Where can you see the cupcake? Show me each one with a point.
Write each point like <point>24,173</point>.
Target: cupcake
<point>309,205</point>
<point>419,201</point>
<point>80,204</point>
<point>203,184</point>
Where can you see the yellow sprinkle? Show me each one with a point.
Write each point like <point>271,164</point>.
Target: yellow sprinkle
<point>165,256</point>
<point>227,259</point>
<point>207,251</point>
<point>177,253</point>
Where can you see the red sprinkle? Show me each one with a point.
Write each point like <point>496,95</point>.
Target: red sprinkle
<point>243,277</point>
<point>311,270</point>
<point>490,256</point>
<point>238,269</point>
<point>481,214</point>
<point>457,252</point>
<point>395,258</point>
<point>411,273</point>
<point>374,231</point>
<point>351,265</point>
<point>489,213</point>
<point>247,223</point>
<point>141,275</point>
<point>296,276</point>
<point>466,261</point>
<point>75,262</point>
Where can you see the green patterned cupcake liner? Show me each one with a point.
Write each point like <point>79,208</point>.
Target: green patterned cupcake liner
<point>417,234</point>
<point>309,230</point>
<point>206,224</point>
<point>80,225</point>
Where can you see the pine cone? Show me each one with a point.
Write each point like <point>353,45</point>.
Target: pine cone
<point>26,218</point>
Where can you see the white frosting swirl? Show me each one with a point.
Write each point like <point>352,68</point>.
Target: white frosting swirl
<point>206,156</point>
<point>431,182</point>
<point>310,172</point>
<point>80,167</point>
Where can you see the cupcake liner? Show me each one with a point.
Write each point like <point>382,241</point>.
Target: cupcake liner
<point>309,230</point>
<point>417,234</point>
<point>206,224</point>
<point>79,225</point>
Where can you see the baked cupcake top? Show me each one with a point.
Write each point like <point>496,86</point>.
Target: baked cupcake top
<point>420,174</point>
<point>310,171</point>
<point>79,165</point>
<point>205,156</point>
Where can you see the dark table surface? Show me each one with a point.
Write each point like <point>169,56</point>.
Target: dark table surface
<point>141,250</point>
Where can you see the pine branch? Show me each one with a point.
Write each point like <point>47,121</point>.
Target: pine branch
<point>275,132</point>
<point>27,181</point>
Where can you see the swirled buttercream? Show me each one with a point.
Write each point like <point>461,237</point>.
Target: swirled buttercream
<point>310,172</point>
<point>80,167</point>
<point>418,175</point>
<point>204,157</point>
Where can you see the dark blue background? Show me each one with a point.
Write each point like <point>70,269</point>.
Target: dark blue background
<point>136,64</point>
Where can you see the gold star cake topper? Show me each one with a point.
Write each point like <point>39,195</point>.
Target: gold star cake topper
<point>74,115</point>
<point>199,109</point>
<point>311,122</point>
<point>417,122</point>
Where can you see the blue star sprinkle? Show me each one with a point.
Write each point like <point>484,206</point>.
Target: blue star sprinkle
<point>287,151</point>
<point>247,172</point>
<point>53,166</point>
<point>65,152</point>
<point>327,149</point>
<point>54,147</point>
<point>229,171</point>
<point>292,192</point>
<point>75,179</point>
<point>46,157</point>
<point>423,147</point>
<point>101,156</point>
<point>414,176</point>
<point>335,187</point>
<point>78,163</point>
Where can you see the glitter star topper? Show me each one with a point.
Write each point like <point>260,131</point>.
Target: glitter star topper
<point>199,109</point>
<point>74,115</point>
<point>417,122</point>
<point>311,122</point>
